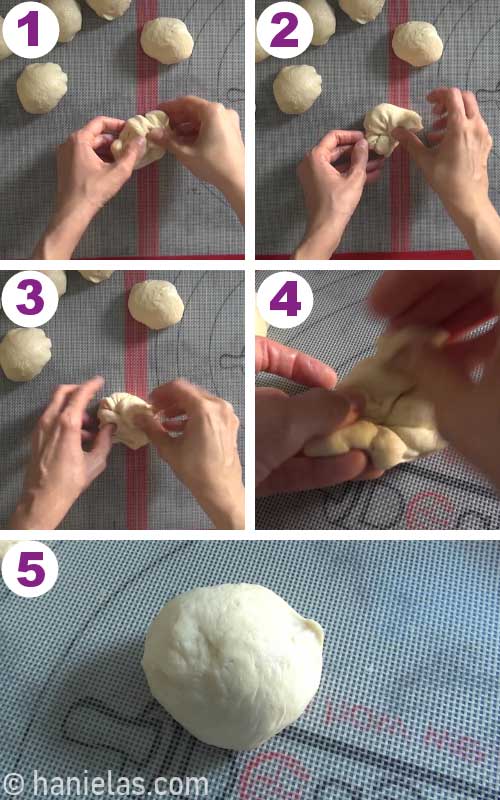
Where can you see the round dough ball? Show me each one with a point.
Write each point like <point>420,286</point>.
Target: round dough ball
<point>381,121</point>
<point>40,87</point>
<point>296,88</point>
<point>5,52</point>
<point>362,11</point>
<point>323,18</point>
<point>418,43</point>
<point>120,409</point>
<point>69,15</point>
<point>233,664</point>
<point>141,126</point>
<point>96,275</point>
<point>109,9</point>
<point>58,277</point>
<point>167,40</point>
<point>156,304</point>
<point>260,53</point>
<point>23,353</point>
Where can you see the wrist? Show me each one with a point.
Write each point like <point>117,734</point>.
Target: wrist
<point>318,244</point>
<point>64,231</point>
<point>38,512</point>
<point>480,226</point>
<point>234,192</point>
<point>228,511</point>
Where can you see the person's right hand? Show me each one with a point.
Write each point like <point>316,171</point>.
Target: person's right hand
<point>205,455</point>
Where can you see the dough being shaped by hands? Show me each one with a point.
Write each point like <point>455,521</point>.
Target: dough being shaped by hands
<point>5,51</point>
<point>120,409</point>
<point>260,53</point>
<point>69,14</point>
<point>58,278</point>
<point>297,88</point>
<point>40,87</point>
<point>323,19</point>
<point>167,40</point>
<point>96,275</point>
<point>233,664</point>
<point>156,304</point>
<point>398,424</point>
<point>362,11</point>
<point>381,121</point>
<point>141,126</point>
<point>110,9</point>
<point>23,353</point>
<point>418,43</point>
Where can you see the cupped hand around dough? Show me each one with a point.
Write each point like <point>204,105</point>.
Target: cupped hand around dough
<point>381,121</point>
<point>141,126</point>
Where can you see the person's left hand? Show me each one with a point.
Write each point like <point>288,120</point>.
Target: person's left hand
<point>60,470</point>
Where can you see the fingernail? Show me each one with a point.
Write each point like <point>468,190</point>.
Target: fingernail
<point>355,399</point>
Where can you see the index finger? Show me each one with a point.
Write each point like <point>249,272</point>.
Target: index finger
<point>397,291</point>
<point>185,109</point>
<point>452,99</point>
<point>178,397</point>
<point>82,396</point>
<point>103,125</point>
<point>334,139</point>
<point>292,364</point>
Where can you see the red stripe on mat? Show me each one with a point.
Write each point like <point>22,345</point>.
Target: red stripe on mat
<point>416,255</point>
<point>399,95</point>
<point>148,185</point>
<point>136,382</point>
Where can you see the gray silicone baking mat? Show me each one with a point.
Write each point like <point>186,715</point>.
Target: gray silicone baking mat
<point>435,492</point>
<point>163,210</point>
<point>399,213</point>
<point>93,333</point>
<point>408,704</point>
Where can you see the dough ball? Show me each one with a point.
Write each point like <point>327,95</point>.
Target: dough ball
<point>323,18</point>
<point>260,53</point>
<point>110,9</point>
<point>296,88</point>
<point>418,43</point>
<point>69,15</point>
<point>167,40</point>
<point>96,275</point>
<point>23,353</point>
<point>362,11</point>
<point>5,52</point>
<point>121,409</point>
<point>156,304</point>
<point>40,87</point>
<point>141,126</point>
<point>5,545</point>
<point>381,121</point>
<point>261,326</point>
<point>58,277</point>
<point>233,664</point>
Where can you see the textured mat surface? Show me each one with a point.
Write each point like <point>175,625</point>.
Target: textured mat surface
<point>436,492</point>
<point>408,704</point>
<point>359,71</point>
<point>163,210</point>
<point>93,333</point>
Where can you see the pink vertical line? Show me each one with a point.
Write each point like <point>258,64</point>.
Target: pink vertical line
<point>148,185</point>
<point>399,94</point>
<point>136,382</point>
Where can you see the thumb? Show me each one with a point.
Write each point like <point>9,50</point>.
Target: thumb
<point>132,155</point>
<point>359,157</point>
<point>411,143</point>
<point>153,428</point>
<point>167,138</point>
<point>317,412</point>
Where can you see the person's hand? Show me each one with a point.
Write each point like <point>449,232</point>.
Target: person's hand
<point>86,182</point>
<point>284,424</point>
<point>332,193</point>
<point>455,166</point>
<point>206,138</point>
<point>60,470</point>
<point>204,454</point>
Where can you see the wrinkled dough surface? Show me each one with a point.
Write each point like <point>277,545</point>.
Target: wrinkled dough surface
<point>297,88</point>
<point>260,53</point>
<point>120,409</point>
<point>167,40</point>
<point>40,87</point>
<point>24,352</point>
<point>156,304</point>
<point>381,121</point>
<point>69,14</point>
<point>362,11</point>
<point>5,51</point>
<point>233,664</point>
<point>58,278</point>
<point>323,19</point>
<point>110,9</point>
<point>398,424</point>
<point>418,43</point>
<point>141,126</point>
<point>96,275</point>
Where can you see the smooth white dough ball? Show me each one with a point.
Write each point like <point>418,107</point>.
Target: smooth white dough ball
<point>5,51</point>
<point>156,304</point>
<point>418,43</point>
<point>323,19</point>
<point>24,352</point>
<point>260,53</point>
<point>362,11</point>
<point>233,664</point>
<point>110,9</point>
<point>58,277</point>
<point>40,87</point>
<point>297,88</point>
<point>69,14</point>
<point>96,275</point>
<point>167,40</point>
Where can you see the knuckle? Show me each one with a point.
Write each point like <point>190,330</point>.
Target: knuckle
<point>69,420</point>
